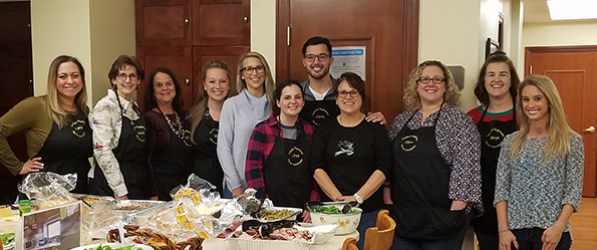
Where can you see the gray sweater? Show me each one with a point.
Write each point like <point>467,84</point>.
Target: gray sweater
<point>536,192</point>
<point>239,116</point>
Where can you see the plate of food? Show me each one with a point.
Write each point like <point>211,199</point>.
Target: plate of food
<point>114,246</point>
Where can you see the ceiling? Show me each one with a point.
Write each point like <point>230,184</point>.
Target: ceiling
<point>535,11</point>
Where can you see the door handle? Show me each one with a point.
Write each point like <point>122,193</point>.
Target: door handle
<point>187,82</point>
<point>590,129</point>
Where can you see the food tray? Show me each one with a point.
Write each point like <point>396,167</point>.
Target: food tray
<point>133,206</point>
<point>296,211</point>
<point>93,199</point>
<point>243,244</point>
<point>214,208</point>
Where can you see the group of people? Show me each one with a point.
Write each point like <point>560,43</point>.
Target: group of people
<point>436,169</point>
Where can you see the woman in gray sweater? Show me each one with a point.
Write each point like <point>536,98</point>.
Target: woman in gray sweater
<point>239,116</point>
<point>539,173</point>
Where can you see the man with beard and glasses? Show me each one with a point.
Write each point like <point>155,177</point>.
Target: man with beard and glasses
<point>320,101</point>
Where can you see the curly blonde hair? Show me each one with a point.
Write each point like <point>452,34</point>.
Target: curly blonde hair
<point>411,98</point>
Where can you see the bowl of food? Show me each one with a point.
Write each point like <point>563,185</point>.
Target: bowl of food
<point>321,233</point>
<point>333,215</point>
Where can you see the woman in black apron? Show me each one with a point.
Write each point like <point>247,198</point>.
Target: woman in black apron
<point>121,165</point>
<point>55,125</point>
<point>168,139</point>
<point>437,179</point>
<point>204,118</point>
<point>280,150</point>
<point>496,90</point>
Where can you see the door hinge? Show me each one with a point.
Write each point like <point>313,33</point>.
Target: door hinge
<point>531,70</point>
<point>287,35</point>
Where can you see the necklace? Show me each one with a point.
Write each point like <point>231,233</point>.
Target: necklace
<point>176,127</point>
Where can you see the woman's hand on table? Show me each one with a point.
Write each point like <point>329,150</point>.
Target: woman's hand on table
<point>306,216</point>
<point>153,198</point>
<point>32,165</point>
<point>238,191</point>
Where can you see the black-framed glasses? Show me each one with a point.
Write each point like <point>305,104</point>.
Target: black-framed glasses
<point>321,57</point>
<point>124,76</point>
<point>250,70</point>
<point>353,93</point>
<point>436,80</point>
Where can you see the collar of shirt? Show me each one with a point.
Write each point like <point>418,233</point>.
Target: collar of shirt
<point>127,106</point>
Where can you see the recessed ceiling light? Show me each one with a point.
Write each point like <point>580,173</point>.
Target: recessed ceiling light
<point>572,9</point>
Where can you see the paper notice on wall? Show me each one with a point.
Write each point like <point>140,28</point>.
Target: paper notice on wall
<point>349,59</point>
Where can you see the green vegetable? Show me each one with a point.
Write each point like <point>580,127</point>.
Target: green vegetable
<point>7,238</point>
<point>102,247</point>
<point>333,210</point>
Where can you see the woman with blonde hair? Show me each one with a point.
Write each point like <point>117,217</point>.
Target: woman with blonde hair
<point>436,182</point>
<point>239,116</point>
<point>540,172</point>
<point>204,119</point>
<point>55,126</point>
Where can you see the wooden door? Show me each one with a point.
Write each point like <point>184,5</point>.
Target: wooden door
<point>163,23</point>
<point>388,29</point>
<point>16,69</point>
<point>221,22</point>
<point>574,72</point>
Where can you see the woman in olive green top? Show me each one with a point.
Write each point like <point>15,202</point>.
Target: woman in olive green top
<point>55,126</point>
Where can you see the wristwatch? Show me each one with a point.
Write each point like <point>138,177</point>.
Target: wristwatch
<point>358,198</point>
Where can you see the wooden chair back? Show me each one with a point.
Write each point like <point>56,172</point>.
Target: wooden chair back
<point>381,236</point>
<point>350,244</point>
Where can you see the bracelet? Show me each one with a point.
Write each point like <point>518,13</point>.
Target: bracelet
<point>503,231</point>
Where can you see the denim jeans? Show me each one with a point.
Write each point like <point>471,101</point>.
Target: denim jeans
<point>530,239</point>
<point>227,192</point>
<point>452,243</point>
<point>367,220</point>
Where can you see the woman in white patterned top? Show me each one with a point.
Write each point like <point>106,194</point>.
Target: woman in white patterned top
<point>539,173</point>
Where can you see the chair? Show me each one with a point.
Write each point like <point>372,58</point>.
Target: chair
<point>350,244</point>
<point>376,238</point>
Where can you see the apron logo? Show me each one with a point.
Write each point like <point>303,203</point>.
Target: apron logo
<point>494,138</point>
<point>295,156</point>
<point>78,128</point>
<point>139,132</point>
<point>213,136</point>
<point>319,114</point>
<point>409,143</point>
<point>346,147</point>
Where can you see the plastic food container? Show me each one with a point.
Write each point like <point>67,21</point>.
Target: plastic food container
<point>347,223</point>
<point>292,216</point>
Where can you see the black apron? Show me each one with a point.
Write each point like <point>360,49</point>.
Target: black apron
<point>67,150</point>
<point>492,135</point>
<point>205,157</point>
<point>130,154</point>
<point>420,187</point>
<point>286,173</point>
<point>172,166</point>
<point>315,112</point>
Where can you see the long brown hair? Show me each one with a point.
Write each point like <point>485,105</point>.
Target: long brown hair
<point>53,107</point>
<point>197,112</point>
<point>558,130</point>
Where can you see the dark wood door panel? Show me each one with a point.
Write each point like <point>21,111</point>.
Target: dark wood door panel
<point>163,23</point>
<point>221,22</point>
<point>178,59</point>
<point>228,54</point>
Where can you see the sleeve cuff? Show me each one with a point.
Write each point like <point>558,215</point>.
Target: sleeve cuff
<point>120,190</point>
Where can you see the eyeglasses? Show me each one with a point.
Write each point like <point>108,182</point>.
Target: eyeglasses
<point>321,57</point>
<point>436,80</point>
<point>123,77</point>
<point>353,93</point>
<point>250,70</point>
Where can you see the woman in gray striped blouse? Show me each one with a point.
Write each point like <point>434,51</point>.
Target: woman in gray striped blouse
<point>539,173</point>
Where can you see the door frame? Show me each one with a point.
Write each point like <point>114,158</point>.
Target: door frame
<point>410,57</point>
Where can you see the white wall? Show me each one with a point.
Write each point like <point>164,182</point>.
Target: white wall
<point>263,30</point>
<point>560,33</point>
<point>93,31</point>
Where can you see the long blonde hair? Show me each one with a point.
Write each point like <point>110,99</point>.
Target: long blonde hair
<point>411,98</point>
<point>53,107</point>
<point>558,130</point>
<point>197,112</point>
<point>269,85</point>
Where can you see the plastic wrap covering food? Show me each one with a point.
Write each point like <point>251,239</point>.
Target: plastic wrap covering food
<point>49,189</point>
<point>99,219</point>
